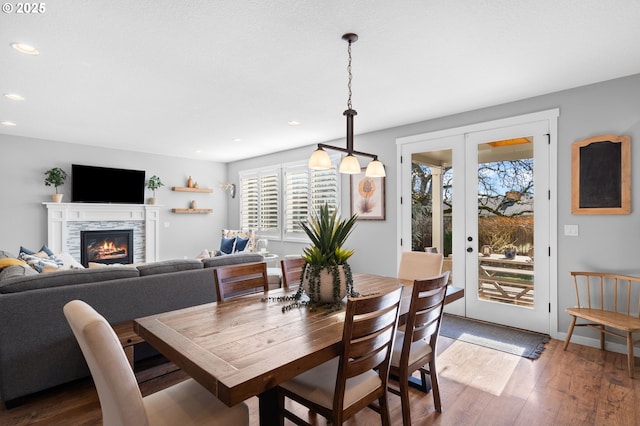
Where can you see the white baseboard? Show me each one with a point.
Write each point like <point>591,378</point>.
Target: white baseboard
<point>620,348</point>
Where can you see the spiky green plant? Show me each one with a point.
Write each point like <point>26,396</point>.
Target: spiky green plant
<point>328,234</point>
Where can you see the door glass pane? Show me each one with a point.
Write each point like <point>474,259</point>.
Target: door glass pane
<point>505,221</point>
<point>431,203</point>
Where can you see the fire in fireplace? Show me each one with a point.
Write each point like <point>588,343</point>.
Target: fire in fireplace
<point>113,246</point>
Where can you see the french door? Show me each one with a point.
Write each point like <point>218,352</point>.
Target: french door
<point>482,199</point>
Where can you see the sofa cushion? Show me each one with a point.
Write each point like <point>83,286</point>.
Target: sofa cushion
<point>232,259</point>
<point>167,266</point>
<point>64,278</point>
<point>17,271</point>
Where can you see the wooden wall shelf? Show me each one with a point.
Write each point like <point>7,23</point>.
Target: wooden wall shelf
<point>185,189</point>
<point>192,210</point>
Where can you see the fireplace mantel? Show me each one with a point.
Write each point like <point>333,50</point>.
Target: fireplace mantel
<point>60,215</point>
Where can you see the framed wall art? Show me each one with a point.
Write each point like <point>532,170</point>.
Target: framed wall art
<point>601,175</point>
<point>367,197</point>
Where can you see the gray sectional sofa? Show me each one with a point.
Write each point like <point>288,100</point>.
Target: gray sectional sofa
<point>38,349</point>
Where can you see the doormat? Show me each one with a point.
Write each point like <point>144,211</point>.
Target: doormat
<point>524,343</point>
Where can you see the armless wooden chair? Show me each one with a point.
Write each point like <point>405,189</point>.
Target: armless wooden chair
<point>415,348</point>
<point>419,264</point>
<point>186,403</point>
<point>291,272</point>
<point>240,279</point>
<point>341,387</point>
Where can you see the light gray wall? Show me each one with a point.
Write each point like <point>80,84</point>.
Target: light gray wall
<point>23,218</point>
<point>605,243</point>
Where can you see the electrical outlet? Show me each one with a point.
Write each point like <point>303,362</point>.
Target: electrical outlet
<point>571,230</point>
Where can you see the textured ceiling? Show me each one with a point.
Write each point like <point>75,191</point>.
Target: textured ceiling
<point>189,78</point>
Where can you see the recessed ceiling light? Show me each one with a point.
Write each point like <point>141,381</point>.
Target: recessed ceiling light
<point>25,48</point>
<point>8,123</point>
<point>294,123</point>
<point>237,140</point>
<point>14,96</point>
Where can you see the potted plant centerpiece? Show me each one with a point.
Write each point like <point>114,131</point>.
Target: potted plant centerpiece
<point>326,275</point>
<point>154,183</point>
<point>55,177</point>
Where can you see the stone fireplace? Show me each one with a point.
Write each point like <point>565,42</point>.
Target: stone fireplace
<point>66,222</point>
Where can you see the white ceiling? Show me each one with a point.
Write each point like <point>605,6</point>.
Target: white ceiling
<point>189,78</point>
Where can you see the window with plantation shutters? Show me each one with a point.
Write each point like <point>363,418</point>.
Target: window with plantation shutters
<point>249,196</point>
<point>269,204</point>
<point>296,199</point>
<point>324,188</point>
<point>260,201</point>
<point>275,200</point>
<point>305,191</point>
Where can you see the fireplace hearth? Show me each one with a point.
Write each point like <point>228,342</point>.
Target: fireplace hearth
<point>106,246</point>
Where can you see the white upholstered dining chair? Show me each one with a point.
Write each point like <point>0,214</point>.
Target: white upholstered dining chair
<point>186,403</point>
<point>419,264</point>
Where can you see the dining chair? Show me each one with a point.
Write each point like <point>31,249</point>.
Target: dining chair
<point>292,272</point>
<point>419,264</point>
<point>344,385</point>
<point>185,403</point>
<point>415,348</point>
<point>235,280</point>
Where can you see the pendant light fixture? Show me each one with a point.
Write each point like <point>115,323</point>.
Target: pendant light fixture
<point>320,160</point>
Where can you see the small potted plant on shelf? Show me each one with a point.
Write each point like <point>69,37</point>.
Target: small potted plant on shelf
<point>326,275</point>
<point>55,177</point>
<point>154,183</point>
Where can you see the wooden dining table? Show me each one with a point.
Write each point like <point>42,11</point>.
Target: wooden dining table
<point>245,346</point>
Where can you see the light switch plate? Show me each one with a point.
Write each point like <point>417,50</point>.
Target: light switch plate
<point>571,230</point>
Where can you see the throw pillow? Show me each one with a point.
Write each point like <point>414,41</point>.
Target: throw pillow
<point>68,262</point>
<point>243,233</point>
<point>8,261</point>
<point>241,244</point>
<point>204,254</point>
<point>227,245</point>
<point>41,261</point>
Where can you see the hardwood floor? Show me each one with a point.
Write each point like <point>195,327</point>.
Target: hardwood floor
<point>479,386</point>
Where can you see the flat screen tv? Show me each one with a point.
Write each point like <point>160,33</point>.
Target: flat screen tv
<point>91,184</point>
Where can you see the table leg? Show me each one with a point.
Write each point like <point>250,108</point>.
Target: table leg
<point>268,407</point>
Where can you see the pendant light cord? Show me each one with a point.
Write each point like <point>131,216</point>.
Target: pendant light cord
<point>350,76</point>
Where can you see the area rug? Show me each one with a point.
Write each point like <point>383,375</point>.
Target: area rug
<point>526,344</point>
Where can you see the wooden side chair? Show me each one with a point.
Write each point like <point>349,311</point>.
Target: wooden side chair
<point>120,398</point>
<point>291,272</point>
<point>415,348</point>
<point>419,264</point>
<point>235,280</point>
<point>341,387</point>
<point>610,304</point>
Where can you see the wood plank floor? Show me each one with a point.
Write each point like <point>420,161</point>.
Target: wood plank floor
<point>479,386</point>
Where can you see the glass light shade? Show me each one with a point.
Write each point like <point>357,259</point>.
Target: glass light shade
<point>319,160</point>
<point>375,169</point>
<point>350,165</point>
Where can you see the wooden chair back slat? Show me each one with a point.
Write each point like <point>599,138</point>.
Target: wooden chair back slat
<point>291,272</point>
<point>235,279</point>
